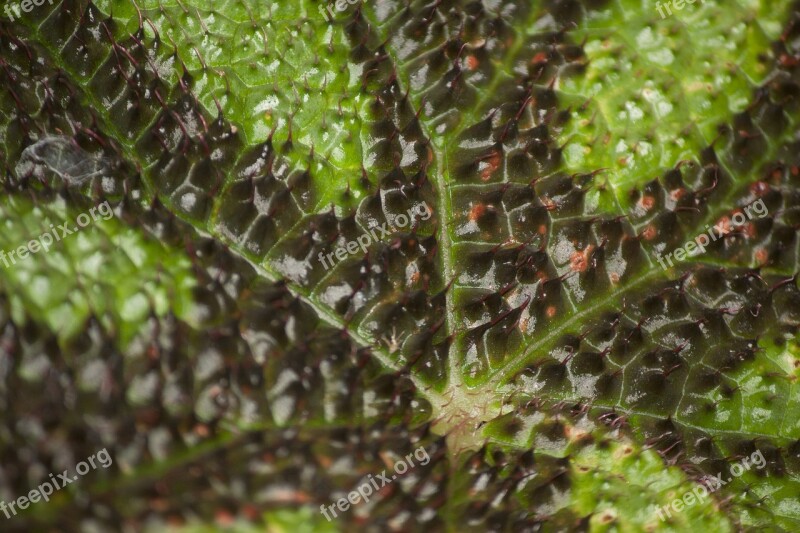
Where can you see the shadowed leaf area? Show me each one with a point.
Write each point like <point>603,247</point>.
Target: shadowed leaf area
<point>552,244</point>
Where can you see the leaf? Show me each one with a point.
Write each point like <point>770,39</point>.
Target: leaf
<point>244,363</point>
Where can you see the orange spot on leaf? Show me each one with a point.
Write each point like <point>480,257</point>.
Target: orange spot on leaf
<point>579,261</point>
<point>540,57</point>
<point>490,166</point>
<point>677,194</point>
<point>477,212</point>
<point>223,517</point>
<point>761,188</point>
<point>649,232</point>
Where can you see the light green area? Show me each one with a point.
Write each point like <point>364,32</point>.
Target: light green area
<point>624,488</point>
<point>656,90</point>
<point>615,482</point>
<point>274,68</point>
<point>654,93</point>
<point>105,269</point>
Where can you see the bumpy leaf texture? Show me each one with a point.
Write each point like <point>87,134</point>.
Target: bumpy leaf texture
<point>520,328</point>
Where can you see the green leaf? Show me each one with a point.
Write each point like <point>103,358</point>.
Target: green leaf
<point>249,347</point>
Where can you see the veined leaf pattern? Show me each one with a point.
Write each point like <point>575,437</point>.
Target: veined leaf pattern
<point>243,370</point>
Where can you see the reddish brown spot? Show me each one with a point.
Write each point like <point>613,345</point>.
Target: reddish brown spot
<point>647,202</point>
<point>551,311</point>
<point>490,165</point>
<point>579,261</point>
<point>472,62</point>
<point>606,518</point>
<point>649,232</point>
<point>223,517</point>
<point>622,161</point>
<point>723,226</point>
<point>415,277</point>
<point>175,521</point>
<point>677,194</point>
<point>540,57</point>
<point>477,212</point>
<point>749,229</point>
<point>762,256</point>
<point>788,61</point>
<point>159,504</point>
<point>152,353</point>
<point>250,511</point>
<point>795,170</point>
<point>760,188</point>
<point>542,229</point>
<point>614,277</point>
<point>202,430</point>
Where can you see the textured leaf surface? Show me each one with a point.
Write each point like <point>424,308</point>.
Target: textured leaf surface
<point>524,333</point>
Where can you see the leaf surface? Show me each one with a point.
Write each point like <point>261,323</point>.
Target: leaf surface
<point>249,346</point>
